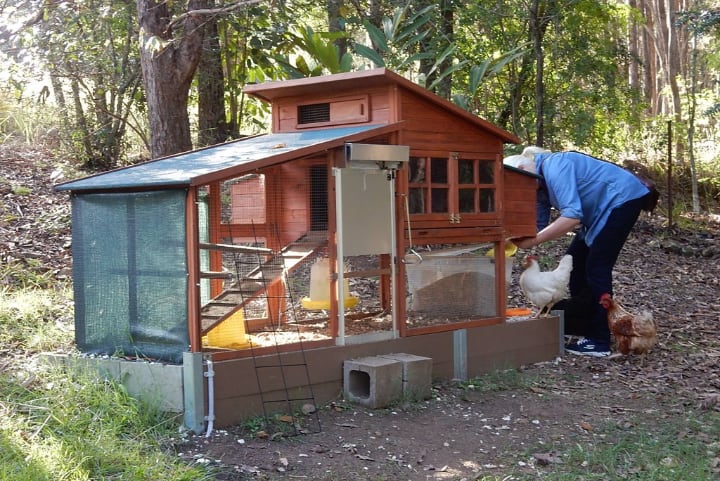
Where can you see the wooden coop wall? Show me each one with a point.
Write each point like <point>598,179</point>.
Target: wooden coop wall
<point>430,127</point>
<point>519,205</point>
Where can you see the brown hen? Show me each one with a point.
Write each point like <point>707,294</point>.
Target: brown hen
<point>633,333</point>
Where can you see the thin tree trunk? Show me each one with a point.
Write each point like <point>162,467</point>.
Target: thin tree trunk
<point>536,31</point>
<point>692,103</point>
<point>634,50</point>
<point>212,126</point>
<point>81,125</point>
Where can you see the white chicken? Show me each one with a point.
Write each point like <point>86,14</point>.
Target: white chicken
<point>545,288</point>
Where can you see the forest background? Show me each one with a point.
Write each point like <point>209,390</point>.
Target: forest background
<point>108,83</point>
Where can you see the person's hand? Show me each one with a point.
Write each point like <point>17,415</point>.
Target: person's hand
<point>524,242</point>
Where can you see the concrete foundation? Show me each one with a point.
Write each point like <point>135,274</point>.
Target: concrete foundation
<point>446,355</point>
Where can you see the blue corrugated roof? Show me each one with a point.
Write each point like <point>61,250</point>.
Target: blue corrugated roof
<point>180,170</point>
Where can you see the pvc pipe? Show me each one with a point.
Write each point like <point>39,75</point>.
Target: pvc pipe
<point>210,375</point>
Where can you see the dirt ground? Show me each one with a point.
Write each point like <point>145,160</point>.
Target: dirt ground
<point>466,430</point>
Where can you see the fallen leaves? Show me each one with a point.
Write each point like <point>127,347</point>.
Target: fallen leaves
<point>586,427</point>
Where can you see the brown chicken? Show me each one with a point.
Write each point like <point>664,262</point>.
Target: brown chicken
<point>633,333</point>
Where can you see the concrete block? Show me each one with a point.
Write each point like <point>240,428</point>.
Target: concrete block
<point>157,383</point>
<point>416,375</point>
<point>373,382</point>
<point>154,382</point>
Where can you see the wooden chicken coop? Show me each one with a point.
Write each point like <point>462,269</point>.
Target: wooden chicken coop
<point>359,226</point>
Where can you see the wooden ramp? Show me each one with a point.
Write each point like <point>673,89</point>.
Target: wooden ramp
<point>258,281</point>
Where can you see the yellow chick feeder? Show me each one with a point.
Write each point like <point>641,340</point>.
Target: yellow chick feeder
<point>320,289</point>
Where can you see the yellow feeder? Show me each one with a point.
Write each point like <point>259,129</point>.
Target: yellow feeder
<point>320,288</point>
<point>230,333</point>
<point>510,250</point>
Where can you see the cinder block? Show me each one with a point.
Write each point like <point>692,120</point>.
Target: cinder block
<point>374,382</point>
<point>416,375</point>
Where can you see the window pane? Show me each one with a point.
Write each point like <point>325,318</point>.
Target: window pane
<point>417,170</point>
<point>465,171</point>
<point>440,200</point>
<point>486,171</point>
<point>467,200</point>
<point>439,173</point>
<point>487,200</point>
<point>416,201</point>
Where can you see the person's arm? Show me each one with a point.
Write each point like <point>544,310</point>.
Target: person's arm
<point>559,227</point>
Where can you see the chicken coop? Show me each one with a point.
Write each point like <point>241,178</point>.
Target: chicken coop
<point>366,222</point>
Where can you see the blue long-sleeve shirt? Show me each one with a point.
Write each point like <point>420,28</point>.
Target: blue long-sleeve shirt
<point>584,188</point>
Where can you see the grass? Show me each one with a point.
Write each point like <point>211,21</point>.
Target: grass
<point>683,448</point>
<point>72,426</point>
<point>678,445</point>
<point>501,380</point>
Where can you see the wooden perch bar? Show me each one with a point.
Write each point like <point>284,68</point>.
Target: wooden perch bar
<point>234,248</point>
<point>216,275</point>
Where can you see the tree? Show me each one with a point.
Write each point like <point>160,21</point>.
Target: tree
<point>89,53</point>
<point>170,51</point>
<point>212,125</point>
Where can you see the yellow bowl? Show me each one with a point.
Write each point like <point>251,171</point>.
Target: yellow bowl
<point>510,250</point>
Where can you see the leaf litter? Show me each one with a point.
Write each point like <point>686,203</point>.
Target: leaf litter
<point>459,433</point>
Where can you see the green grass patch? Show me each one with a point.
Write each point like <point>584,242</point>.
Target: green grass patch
<point>501,380</point>
<point>35,320</point>
<point>64,425</point>
<point>25,274</point>
<point>682,448</point>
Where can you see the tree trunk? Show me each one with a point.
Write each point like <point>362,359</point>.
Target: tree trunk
<point>212,126</point>
<point>509,117</point>
<point>82,126</point>
<point>536,30</point>
<point>336,24</point>
<point>634,51</point>
<point>168,64</point>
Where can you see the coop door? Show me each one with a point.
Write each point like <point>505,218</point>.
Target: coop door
<point>364,213</point>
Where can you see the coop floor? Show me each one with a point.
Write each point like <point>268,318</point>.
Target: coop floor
<point>310,326</point>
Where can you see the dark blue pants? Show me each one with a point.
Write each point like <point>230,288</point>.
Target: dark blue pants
<point>591,276</point>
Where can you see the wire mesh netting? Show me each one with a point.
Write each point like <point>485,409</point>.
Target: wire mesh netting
<point>448,284</point>
<point>268,257</point>
<point>130,274</point>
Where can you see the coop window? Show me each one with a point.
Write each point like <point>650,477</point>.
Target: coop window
<point>452,184</point>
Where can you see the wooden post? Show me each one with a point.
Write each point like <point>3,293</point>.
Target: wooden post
<point>193,266</point>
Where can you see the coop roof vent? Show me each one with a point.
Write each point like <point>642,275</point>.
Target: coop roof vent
<point>336,111</point>
<point>313,113</point>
